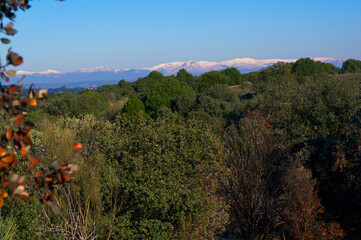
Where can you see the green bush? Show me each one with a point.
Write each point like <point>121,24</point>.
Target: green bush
<point>211,79</point>
<point>134,106</point>
<point>307,67</point>
<point>8,228</point>
<point>169,171</point>
<point>76,104</point>
<point>164,94</point>
<point>351,66</point>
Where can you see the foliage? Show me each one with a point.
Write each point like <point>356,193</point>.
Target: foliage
<point>317,107</point>
<point>271,193</point>
<point>234,75</point>
<point>307,67</point>
<point>184,76</point>
<point>183,105</point>
<point>76,104</point>
<point>16,144</point>
<point>144,85</point>
<point>164,94</point>
<point>126,87</point>
<point>134,106</point>
<point>188,157</point>
<point>217,101</point>
<point>16,159</point>
<point>304,211</point>
<point>254,187</point>
<point>88,204</point>
<point>336,165</point>
<point>8,228</point>
<point>351,66</point>
<point>169,179</point>
<point>111,93</point>
<point>211,79</point>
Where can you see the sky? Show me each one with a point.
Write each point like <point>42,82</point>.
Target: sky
<point>74,34</point>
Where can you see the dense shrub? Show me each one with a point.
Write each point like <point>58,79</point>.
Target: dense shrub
<point>76,104</point>
<point>307,67</point>
<point>211,79</point>
<point>164,94</point>
<point>351,66</point>
<point>134,106</point>
<point>169,178</point>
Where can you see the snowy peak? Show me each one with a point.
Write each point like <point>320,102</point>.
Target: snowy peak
<point>49,71</point>
<point>95,69</point>
<point>242,64</point>
<point>191,66</point>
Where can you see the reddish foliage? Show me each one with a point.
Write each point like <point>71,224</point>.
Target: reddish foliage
<point>304,210</point>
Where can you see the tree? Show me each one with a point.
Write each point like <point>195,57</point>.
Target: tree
<point>270,192</point>
<point>307,67</point>
<point>144,85</point>
<point>303,209</point>
<point>183,105</point>
<point>170,173</point>
<point>185,76</point>
<point>234,75</point>
<point>76,104</point>
<point>126,87</point>
<point>351,66</point>
<point>110,93</point>
<point>211,79</point>
<point>134,106</point>
<point>254,187</point>
<point>217,101</point>
<point>164,93</point>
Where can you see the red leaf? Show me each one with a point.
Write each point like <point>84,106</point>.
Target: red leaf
<point>68,177</point>
<point>48,179</point>
<point>33,162</point>
<point>18,119</point>
<point>77,147</point>
<point>9,159</point>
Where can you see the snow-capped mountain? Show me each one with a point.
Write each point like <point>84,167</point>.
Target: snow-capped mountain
<point>31,73</point>
<point>86,77</point>
<point>244,65</point>
<point>98,76</point>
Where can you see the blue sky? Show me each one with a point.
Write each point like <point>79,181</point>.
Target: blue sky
<point>74,34</point>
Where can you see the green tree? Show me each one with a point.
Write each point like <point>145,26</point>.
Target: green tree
<point>144,85</point>
<point>126,87</point>
<point>76,104</point>
<point>169,179</point>
<point>183,105</point>
<point>164,94</point>
<point>351,66</point>
<point>184,76</point>
<point>307,67</point>
<point>217,101</point>
<point>211,79</point>
<point>111,93</point>
<point>234,75</point>
<point>134,106</point>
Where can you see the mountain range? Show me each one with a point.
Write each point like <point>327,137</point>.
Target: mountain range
<point>98,76</point>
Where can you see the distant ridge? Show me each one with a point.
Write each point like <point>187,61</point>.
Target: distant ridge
<point>95,77</point>
<point>244,65</point>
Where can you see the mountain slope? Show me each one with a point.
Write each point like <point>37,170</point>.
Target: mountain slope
<point>244,65</point>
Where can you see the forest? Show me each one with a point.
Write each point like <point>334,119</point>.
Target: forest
<point>273,154</point>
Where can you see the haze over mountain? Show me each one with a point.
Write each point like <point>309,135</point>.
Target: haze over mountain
<point>95,77</point>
